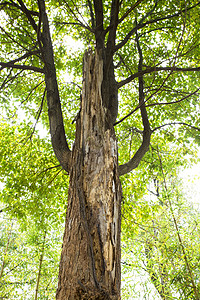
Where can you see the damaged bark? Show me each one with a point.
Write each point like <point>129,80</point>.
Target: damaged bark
<point>90,260</point>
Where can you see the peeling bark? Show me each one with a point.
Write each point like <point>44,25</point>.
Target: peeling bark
<point>90,260</point>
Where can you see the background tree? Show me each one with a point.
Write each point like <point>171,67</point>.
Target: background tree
<point>31,215</point>
<point>147,53</point>
<point>163,240</point>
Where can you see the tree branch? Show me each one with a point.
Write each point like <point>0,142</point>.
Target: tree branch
<point>32,12</point>
<point>113,25</point>
<point>176,123</point>
<point>57,131</point>
<point>12,39</point>
<point>134,30</point>
<point>38,114</point>
<point>26,55</point>
<point>134,162</point>
<point>20,67</point>
<point>173,102</point>
<point>28,14</point>
<point>155,104</point>
<point>76,24</point>
<point>99,30</point>
<point>141,25</point>
<point>129,11</point>
<point>91,14</point>
<point>75,17</point>
<point>155,69</point>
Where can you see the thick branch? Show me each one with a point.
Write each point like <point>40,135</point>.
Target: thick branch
<point>28,14</point>
<point>155,69</point>
<point>57,131</point>
<point>99,30</point>
<point>20,67</point>
<point>113,24</point>
<point>134,162</point>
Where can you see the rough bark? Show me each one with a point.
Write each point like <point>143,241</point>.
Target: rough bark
<point>90,260</point>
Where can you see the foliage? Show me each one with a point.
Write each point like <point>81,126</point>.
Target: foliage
<point>21,252</point>
<point>162,245</point>
<point>33,185</point>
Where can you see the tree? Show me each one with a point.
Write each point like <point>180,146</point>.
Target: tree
<point>146,51</point>
<point>163,239</point>
<point>31,216</point>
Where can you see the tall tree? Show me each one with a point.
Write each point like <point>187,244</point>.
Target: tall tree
<point>147,51</point>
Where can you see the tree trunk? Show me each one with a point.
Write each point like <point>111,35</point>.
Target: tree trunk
<point>90,259</point>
